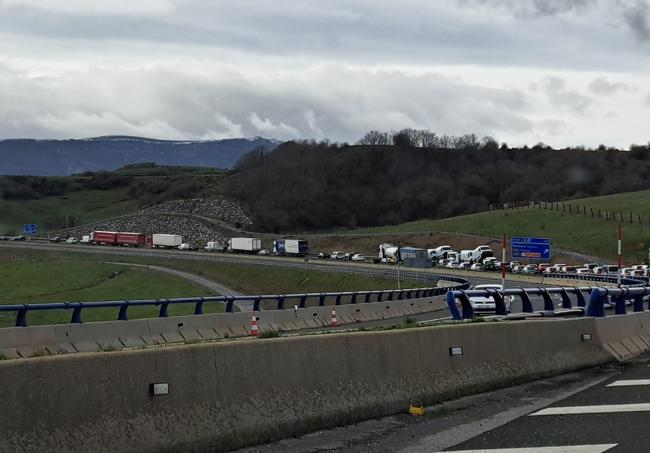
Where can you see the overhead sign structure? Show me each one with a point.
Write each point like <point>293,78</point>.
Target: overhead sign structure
<point>30,228</point>
<point>531,248</point>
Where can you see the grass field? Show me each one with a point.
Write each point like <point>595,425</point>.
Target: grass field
<point>31,276</point>
<point>26,280</point>
<point>83,207</point>
<point>579,233</point>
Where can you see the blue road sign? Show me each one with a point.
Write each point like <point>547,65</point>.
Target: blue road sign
<point>30,228</point>
<point>531,248</point>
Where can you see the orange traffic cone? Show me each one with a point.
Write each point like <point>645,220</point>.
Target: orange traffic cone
<point>334,322</point>
<point>254,330</point>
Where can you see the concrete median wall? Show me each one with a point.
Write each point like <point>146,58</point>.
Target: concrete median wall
<point>226,395</point>
<point>88,337</point>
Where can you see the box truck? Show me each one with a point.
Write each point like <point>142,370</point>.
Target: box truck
<point>291,247</point>
<point>244,245</point>
<point>166,240</point>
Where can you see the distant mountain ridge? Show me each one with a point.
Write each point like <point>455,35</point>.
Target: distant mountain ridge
<point>66,157</point>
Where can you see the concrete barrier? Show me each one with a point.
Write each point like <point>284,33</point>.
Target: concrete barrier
<point>89,337</point>
<point>226,395</point>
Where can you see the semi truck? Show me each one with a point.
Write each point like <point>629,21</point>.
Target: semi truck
<point>103,237</point>
<point>118,238</point>
<point>290,247</point>
<point>388,253</point>
<point>244,245</point>
<point>477,255</point>
<point>166,240</point>
<point>439,253</point>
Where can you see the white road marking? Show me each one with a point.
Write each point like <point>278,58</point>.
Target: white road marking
<point>595,409</point>
<point>629,382</point>
<point>567,449</point>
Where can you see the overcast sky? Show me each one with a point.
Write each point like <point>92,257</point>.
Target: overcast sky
<point>558,71</point>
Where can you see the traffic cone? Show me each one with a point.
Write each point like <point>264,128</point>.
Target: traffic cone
<point>334,322</point>
<point>254,330</point>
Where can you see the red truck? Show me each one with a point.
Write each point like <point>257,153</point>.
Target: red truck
<point>117,238</point>
<point>104,237</point>
<point>132,239</point>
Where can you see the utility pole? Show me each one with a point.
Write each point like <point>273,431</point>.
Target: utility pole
<point>619,261</point>
<point>503,265</point>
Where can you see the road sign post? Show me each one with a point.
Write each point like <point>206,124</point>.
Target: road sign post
<point>30,229</point>
<point>531,248</point>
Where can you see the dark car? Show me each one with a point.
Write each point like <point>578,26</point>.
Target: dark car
<point>55,239</point>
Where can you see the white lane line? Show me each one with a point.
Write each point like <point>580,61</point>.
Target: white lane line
<point>567,449</point>
<point>595,409</point>
<point>629,382</point>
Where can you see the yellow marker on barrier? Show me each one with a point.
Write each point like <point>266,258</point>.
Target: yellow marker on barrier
<point>415,410</point>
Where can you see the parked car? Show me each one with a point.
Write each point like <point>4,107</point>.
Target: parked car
<point>530,269</point>
<point>518,269</point>
<point>486,303</point>
<point>476,267</point>
<point>358,257</point>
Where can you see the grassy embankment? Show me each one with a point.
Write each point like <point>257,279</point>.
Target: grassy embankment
<point>33,276</point>
<point>584,234</point>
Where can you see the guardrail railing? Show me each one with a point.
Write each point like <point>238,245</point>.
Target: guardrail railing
<point>282,301</point>
<point>589,301</point>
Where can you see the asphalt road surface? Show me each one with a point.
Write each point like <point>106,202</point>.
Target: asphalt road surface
<point>611,416</point>
<point>603,409</point>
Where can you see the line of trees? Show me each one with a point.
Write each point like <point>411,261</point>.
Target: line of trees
<point>310,185</point>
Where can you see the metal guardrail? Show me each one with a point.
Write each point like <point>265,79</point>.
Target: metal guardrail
<point>22,310</point>
<point>598,299</point>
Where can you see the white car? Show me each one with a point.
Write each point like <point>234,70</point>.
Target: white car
<point>583,271</point>
<point>476,267</point>
<point>264,252</point>
<point>337,255</point>
<point>358,257</point>
<point>71,241</point>
<point>487,304</point>
<point>452,265</point>
<point>464,265</point>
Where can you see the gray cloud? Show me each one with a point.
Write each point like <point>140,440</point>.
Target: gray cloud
<point>604,87</point>
<point>560,96</point>
<point>329,102</point>
<point>527,8</point>
<point>636,17</point>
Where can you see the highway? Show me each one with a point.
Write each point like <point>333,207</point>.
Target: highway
<point>611,416</point>
<point>602,409</point>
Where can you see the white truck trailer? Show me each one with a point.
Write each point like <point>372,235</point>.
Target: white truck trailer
<point>244,245</point>
<point>166,241</point>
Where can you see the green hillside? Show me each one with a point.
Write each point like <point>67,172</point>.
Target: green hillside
<point>58,202</point>
<point>570,231</point>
